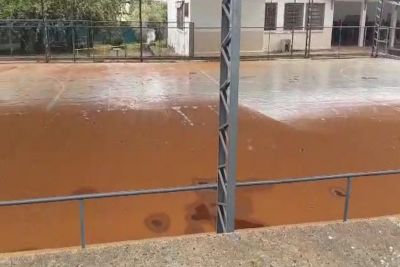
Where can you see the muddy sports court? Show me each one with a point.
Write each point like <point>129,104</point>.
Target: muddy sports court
<point>69,129</point>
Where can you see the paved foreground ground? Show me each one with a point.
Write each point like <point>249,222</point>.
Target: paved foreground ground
<point>374,242</point>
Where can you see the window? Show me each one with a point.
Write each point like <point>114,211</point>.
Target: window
<point>293,16</point>
<point>186,10</point>
<point>179,16</point>
<point>270,16</point>
<point>317,15</point>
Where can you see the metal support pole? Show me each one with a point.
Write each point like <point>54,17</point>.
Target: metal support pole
<point>393,25</point>
<point>73,42</point>
<point>72,24</point>
<point>387,40</point>
<point>92,38</point>
<point>228,114</point>
<point>365,36</point>
<point>45,40</point>
<point>191,39</point>
<point>141,30</point>
<point>82,222</point>
<point>347,200</point>
<point>308,28</point>
<point>340,37</point>
<point>291,43</point>
<point>377,27</point>
<point>269,43</point>
<point>10,39</point>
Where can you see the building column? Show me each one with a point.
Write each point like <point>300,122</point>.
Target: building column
<point>363,18</point>
<point>393,24</point>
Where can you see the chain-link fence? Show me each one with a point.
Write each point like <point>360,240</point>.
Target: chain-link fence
<point>98,41</point>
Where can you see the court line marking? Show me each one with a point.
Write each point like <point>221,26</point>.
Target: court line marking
<point>185,117</point>
<point>211,78</point>
<point>54,101</point>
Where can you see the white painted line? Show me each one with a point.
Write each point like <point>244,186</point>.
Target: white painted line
<point>211,78</point>
<point>212,109</point>
<point>53,102</point>
<point>185,117</point>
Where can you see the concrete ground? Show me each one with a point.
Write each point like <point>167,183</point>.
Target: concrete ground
<point>374,242</point>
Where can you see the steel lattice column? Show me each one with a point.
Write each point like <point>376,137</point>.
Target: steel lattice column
<point>228,114</point>
<point>310,8</point>
<point>378,22</point>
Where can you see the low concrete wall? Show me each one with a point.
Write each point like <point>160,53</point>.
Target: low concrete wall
<point>373,242</point>
<point>207,42</point>
<point>320,39</point>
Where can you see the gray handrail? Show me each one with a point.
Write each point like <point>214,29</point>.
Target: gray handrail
<point>192,188</point>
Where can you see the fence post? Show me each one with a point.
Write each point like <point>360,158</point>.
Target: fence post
<point>269,43</point>
<point>340,38</point>
<point>347,200</point>
<point>82,222</point>
<point>191,39</point>
<point>45,40</point>
<point>141,30</point>
<point>92,36</point>
<point>365,36</point>
<point>73,42</point>
<point>291,45</point>
<point>10,39</point>
<point>387,40</point>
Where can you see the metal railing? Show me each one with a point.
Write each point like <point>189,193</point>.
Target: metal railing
<point>349,177</point>
<point>98,41</point>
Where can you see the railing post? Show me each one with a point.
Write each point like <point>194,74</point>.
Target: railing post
<point>82,222</point>
<point>347,200</point>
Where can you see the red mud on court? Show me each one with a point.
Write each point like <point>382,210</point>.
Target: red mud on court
<point>80,141</point>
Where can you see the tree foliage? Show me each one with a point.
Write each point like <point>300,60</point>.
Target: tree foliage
<point>152,10</point>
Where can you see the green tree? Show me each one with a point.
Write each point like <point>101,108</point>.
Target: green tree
<point>62,9</point>
<point>152,11</point>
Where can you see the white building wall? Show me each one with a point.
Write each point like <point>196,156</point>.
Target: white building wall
<point>178,39</point>
<point>320,39</point>
<point>206,15</point>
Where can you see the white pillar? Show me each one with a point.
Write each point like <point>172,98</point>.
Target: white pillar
<point>363,17</point>
<point>393,24</point>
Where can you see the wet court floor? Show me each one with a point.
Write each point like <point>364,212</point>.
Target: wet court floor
<point>84,128</point>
